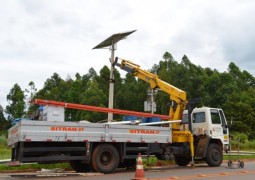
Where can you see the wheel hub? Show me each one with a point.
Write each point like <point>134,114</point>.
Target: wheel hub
<point>105,158</point>
<point>215,155</point>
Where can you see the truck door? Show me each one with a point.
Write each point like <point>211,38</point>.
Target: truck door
<point>225,129</point>
<point>218,128</point>
<point>199,124</point>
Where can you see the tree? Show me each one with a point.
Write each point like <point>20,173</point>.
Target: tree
<point>241,106</point>
<point>233,90</point>
<point>234,71</point>
<point>78,76</point>
<point>30,94</point>
<point>2,118</point>
<point>132,94</point>
<point>103,79</point>
<point>31,91</point>
<point>16,107</point>
<point>3,122</point>
<point>55,88</point>
<point>92,74</point>
<point>94,96</point>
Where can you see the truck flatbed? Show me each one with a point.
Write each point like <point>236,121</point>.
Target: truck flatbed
<point>43,131</point>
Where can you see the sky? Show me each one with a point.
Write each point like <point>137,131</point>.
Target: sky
<point>40,37</point>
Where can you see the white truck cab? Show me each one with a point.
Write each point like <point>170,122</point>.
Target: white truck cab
<point>211,122</point>
<point>208,126</point>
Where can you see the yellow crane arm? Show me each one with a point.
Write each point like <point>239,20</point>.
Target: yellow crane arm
<point>176,95</point>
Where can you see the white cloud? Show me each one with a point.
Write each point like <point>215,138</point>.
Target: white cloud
<point>38,38</point>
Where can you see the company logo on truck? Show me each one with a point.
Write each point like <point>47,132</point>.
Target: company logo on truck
<point>61,128</point>
<point>143,131</point>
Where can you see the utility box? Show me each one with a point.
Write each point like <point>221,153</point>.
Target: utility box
<point>54,113</point>
<point>149,106</point>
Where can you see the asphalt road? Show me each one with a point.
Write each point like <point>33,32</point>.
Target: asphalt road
<point>171,172</point>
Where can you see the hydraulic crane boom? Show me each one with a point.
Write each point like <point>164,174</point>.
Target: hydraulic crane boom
<point>177,95</point>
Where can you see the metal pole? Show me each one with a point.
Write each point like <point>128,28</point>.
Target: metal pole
<point>111,87</point>
<point>152,100</point>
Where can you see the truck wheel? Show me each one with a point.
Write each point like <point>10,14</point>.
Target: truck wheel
<point>182,161</point>
<point>105,158</point>
<point>78,166</point>
<point>214,155</point>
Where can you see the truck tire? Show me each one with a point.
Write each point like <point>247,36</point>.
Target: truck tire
<point>78,166</point>
<point>181,160</point>
<point>105,158</point>
<point>214,155</point>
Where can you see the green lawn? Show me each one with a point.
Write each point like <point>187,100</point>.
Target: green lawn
<point>34,167</point>
<point>5,153</point>
<point>235,157</point>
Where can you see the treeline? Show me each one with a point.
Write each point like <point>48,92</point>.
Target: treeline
<point>233,91</point>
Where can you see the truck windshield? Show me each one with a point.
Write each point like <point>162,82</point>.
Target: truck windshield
<point>215,117</point>
<point>198,117</point>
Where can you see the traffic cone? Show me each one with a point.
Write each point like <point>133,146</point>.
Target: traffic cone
<point>139,173</point>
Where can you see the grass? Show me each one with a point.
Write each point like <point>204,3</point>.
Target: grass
<point>5,153</point>
<point>34,167</point>
<point>247,145</point>
<point>244,144</point>
<point>235,157</point>
<point>3,142</point>
<point>153,161</point>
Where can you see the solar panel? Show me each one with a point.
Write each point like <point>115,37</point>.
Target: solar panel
<point>113,39</point>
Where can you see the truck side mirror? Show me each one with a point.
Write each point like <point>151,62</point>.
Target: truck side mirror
<point>226,126</point>
<point>231,123</point>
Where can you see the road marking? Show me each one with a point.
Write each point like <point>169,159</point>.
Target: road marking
<point>206,175</point>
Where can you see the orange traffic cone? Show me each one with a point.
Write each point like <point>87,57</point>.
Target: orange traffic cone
<point>139,173</point>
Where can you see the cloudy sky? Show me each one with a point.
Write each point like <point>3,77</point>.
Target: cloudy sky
<point>40,37</point>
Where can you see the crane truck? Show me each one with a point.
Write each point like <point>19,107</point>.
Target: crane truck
<point>103,147</point>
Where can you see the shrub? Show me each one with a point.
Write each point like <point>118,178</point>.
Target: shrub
<point>249,145</point>
<point>251,136</point>
<point>243,137</point>
<point>3,142</point>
